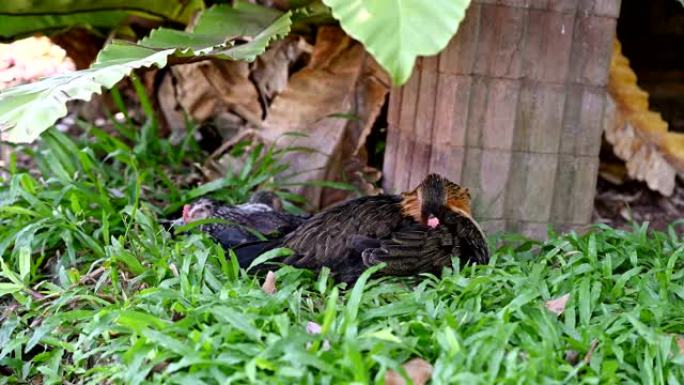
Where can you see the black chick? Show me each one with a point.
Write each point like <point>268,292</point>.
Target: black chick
<point>248,222</point>
<point>413,232</point>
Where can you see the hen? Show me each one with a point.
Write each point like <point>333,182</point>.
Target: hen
<point>414,232</point>
<point>248,222</point>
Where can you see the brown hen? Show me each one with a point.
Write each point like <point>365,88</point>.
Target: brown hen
<point>413,233</point>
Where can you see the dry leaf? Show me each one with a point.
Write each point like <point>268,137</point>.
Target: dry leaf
<point>207,89</point>
<point>680,344</point>
<point>37,380</point>
<point>640,136</point>
<point>417,369</point>
<point>557,306</point>
<point>171,111</point>
<point>173,269</point>
<point>572,357</point>
<point>271,70</point>
<point>313,329</point>
<point>27,60</point>
<point>269,286</point>
<point>341,78</point>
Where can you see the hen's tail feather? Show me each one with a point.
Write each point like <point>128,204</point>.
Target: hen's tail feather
<point>246,253</point>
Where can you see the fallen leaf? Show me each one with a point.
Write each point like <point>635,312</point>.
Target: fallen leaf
<point>206,89</point>
<point>269,286</point>
<point>27,60</point>
<point>313,328</point>
<point>37,380</point>
<point>680,344</point>
<point>417,369</point>
<point>158,368</point>
<point>271,70</point>
<point>572,357</point>
<point>557,305</point>
<point>640,136</point>
<point>173,269</point>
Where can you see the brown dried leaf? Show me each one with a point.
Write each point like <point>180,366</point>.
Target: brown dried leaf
<point>639,136</point>
<point>207,89</point>
<point>170,109</point>
<point>557,305</point>
<point>341,78</point>
<point>271,70</point>
<point>37,380</point>
<point>417,369</point>
<point>269,286</point>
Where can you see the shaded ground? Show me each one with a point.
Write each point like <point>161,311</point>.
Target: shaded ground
<point>617,205</point>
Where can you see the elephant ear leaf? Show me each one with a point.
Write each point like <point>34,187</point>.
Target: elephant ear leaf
<point>28,110</point>
<point>25,17</point>
<point>395,32</point>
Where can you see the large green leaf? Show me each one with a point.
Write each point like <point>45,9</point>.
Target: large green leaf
<point>28,110</point>
<point>395,32</point>
<point>20,17</point>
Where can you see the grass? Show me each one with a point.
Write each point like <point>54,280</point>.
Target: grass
<point>94,290</point>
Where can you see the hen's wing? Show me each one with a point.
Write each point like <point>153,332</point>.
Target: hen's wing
<point>324,239</point>
<point>413,251</point>
<point>416,250</point>
<point>471,238</point>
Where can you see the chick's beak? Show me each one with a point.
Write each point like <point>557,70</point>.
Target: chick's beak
<point>432,221</point>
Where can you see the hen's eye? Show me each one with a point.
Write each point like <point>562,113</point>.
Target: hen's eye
<point>451,218</point>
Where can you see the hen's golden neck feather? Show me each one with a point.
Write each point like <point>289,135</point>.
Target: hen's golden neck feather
<point>410,205</point>
<point>456,198</point>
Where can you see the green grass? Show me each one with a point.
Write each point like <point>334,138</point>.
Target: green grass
<point>93,290</point>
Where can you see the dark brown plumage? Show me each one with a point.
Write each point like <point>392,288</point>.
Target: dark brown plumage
<point>413,232</point>
<point>248,222</point>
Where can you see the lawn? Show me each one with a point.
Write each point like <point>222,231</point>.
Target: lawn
<point>96,289</point>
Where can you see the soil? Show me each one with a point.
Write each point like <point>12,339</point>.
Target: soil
<point>621,205</point>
